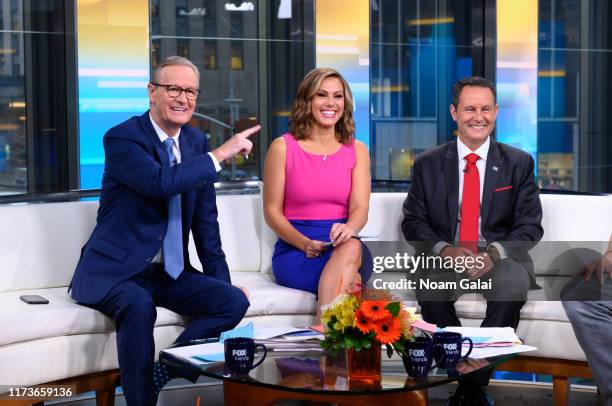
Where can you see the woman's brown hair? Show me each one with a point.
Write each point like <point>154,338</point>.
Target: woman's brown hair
<point>301,120</point>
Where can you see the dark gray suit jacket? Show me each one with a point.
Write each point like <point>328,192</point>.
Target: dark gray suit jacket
<point>511,212</point>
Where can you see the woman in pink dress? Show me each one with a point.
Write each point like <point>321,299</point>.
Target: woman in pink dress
<point>317,191</point>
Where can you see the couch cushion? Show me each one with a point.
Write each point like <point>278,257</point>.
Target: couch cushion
<point>385,217</point>
<point>576,218</point>
<point>50,359</point>
<point>269,298</point>
<point>62,316</point>
<point>44,243</point>
<point>532,310</point>
<point>552,339</point>
<point>240,228</point>
<point>268,239</point>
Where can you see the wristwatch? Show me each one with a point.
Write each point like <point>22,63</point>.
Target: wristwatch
<point>494,254</point>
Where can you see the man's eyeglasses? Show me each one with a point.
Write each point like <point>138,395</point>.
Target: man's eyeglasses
<point>175,91</point>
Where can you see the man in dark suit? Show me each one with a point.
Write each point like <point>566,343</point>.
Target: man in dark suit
<point>158,185</point>
<point>475,198</point>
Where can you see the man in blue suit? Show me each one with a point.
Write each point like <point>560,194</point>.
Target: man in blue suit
<point>156,188</point>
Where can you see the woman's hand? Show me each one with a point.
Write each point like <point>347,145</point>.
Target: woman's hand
<point>340,233</point>
<point>314,248</point>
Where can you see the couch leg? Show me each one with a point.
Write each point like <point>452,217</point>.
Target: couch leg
<point>560,390</point>
<point>105,397</point>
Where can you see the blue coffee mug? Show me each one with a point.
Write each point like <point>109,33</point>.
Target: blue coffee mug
<point>419,355</point>
<point>450,353</point>
<point>240,355</point>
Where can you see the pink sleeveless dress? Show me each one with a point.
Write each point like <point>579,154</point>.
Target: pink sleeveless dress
<point>317,187</point>
<point>317,193</point>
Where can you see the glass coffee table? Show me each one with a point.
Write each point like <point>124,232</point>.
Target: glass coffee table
<point>302,375</point>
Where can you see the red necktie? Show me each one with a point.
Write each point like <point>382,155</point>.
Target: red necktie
<point>470,205</point>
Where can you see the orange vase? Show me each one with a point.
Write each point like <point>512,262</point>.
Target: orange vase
<point>364,365</point>
<point>358,369</point>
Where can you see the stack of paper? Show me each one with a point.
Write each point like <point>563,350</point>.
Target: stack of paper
<point>284,345</point>
<point>199,354</point>
<point>288,338</point>
<point>424,326</point>
<point>243,331</point>
<point>488,336</point>
<point>286,333</point>
<point>274,338</point>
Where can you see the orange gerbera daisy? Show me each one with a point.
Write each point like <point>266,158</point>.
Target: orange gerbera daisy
<point>388,330</point>
<point>375,309</point>
<point>363,323</point>
<point>406,323</point>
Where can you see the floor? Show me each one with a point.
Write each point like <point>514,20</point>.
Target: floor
<point>504,393</point>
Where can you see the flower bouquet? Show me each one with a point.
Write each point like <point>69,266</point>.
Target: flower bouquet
<point>356,325</point>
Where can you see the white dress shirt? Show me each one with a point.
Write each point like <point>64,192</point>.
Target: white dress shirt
<point>163,137</point>
<point>177,151</point>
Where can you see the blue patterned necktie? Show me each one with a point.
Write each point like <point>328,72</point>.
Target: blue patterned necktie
<point>173,242</point>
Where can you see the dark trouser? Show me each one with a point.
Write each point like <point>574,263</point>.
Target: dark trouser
<point>499,314</point>
<point>214,305</point>
<point>510,281</point>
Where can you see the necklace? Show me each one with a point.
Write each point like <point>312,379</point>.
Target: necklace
<point>325,151</point>
<point>325,154</point>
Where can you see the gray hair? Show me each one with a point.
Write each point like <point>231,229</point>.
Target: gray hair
<point>175,61</point>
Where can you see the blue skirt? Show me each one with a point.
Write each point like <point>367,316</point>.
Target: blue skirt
<point>293,269</point>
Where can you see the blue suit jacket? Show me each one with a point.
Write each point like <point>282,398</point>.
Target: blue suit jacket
<point>133,214</point>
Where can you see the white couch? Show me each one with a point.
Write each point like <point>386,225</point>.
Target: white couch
<point>66,342</point>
